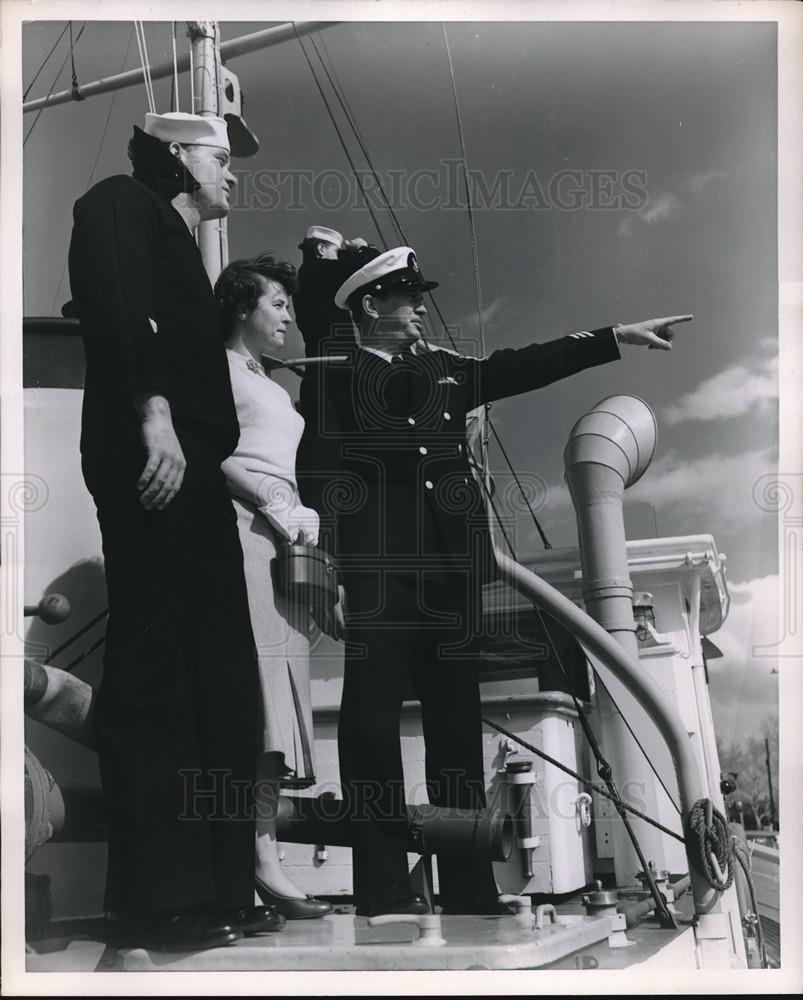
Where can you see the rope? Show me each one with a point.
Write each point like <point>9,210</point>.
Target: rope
<point>143,58</point>
<point>52,88</point>
<point>76,90</point>
<point>599,789</point>
<point>45,60</point>
<point>742,855</point>
<point>709,844</point>
<point>174,91</point>
<point>340,137</point>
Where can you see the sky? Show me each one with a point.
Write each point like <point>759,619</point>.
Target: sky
<point>621,171</point>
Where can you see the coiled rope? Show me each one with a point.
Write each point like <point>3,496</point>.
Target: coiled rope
<point>708,842</point>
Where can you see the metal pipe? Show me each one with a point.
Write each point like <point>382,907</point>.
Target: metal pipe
<point>602,645</point>
<point>228,50</point>
<point>323,820</point>
<point>608,450</point>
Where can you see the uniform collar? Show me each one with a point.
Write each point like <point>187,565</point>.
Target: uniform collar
<point>388,356</point>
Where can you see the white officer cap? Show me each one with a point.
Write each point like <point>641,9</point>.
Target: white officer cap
<point>327,235</point>
<point>394,268</point>
<point>189,130</point>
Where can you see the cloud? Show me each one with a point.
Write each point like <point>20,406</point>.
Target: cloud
<point>664,206</point>
<point>742,685</point>
<point>500,315</point>
<point>712,494</point>
<point>730,393</point>
<point>698,181</point>
<point>668,204</point>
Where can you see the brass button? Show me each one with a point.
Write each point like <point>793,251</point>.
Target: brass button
<point>428,484</point>
<point>447,416</point>
<point>411,422</point>
<point>422,450</point>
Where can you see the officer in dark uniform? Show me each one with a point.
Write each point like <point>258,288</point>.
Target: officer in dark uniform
<point>176,709</point>
<point>391,472</point>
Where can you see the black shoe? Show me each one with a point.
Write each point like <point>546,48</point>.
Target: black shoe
<point>292,907</point>
<point>252,920</point>
<point>171,932</point>
<point>396,897</point>
<point>490,909</point>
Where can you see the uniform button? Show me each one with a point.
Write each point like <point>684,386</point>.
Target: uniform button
<point>447,416</point>
<point>428,484</point>
<point>460,449</point>
<point>411,421</point>
<point>422,450</point>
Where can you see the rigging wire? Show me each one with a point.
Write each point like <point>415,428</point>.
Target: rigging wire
<point>192,81</point>
<point>638,742</point>
<point>52,87</point>
<point>547,544</point>
<point>464,158</point>
<point>340,137</point>
<point>95,164</point>
<point>45,60</point>
<point>599,789</point>
<point>174,91</point>
<point>143,58</point>
<point>341,97</point>
<point>340,94</point>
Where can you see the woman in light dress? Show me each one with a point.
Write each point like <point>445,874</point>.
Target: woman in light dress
<point>253,298</point>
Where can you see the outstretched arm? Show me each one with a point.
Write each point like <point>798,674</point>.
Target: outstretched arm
<point>509,372</point>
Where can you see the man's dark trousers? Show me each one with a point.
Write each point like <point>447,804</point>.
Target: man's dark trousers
<point>176,709</point>
<point>411,633</point>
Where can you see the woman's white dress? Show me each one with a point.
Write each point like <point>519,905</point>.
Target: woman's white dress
<point>270,430</point>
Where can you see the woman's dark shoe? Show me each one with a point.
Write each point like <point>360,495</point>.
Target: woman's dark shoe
<point>252,920</point>
<point>171,931</point>
<point>396,897</point>
<point>291,907</point>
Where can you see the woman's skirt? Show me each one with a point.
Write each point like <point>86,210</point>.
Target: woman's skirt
<point>280,632</point>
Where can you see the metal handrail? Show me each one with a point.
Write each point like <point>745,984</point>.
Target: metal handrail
<point>602,645</point>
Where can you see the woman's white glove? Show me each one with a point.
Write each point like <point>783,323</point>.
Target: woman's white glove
<point>303,525</point>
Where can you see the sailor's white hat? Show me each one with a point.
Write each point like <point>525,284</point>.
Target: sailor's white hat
<point>327,235</point>
<point>394,268</point>
<point>190,130</point>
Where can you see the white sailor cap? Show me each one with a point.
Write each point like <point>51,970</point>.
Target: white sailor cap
<point>327,235</point>
<point>394,268</point>
<point>190,130</point>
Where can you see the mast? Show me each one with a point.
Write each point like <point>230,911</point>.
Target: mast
<point>205,38</point>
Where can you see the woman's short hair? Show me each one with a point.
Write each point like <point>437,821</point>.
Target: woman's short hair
<point>242,283</point>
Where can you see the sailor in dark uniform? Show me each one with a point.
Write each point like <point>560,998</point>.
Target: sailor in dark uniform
<point>390,471</point>
<point>176,709</point>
